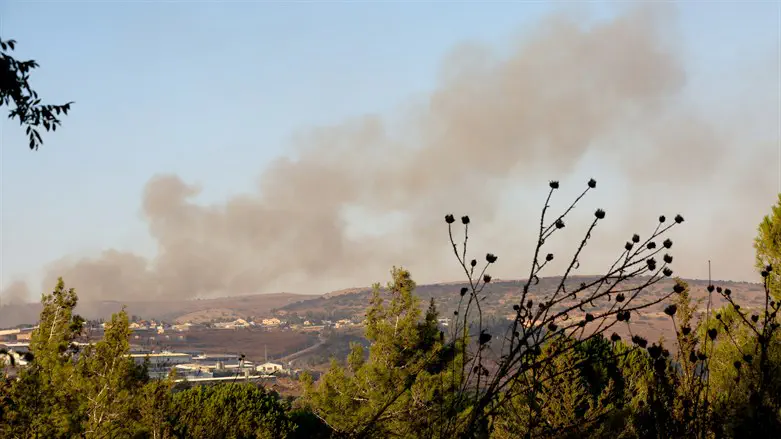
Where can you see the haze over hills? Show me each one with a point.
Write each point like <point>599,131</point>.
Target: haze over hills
<point>169,310</point>
<point>352,302</point>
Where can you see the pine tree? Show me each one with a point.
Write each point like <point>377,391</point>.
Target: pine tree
<point>402,387</point>
<point>110,382</point>
<point>229,411</point>
<point>154,408</point>
<point>768,248</point>
<point>44,402</point>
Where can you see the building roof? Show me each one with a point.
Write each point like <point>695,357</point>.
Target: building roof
<point>161,354</point>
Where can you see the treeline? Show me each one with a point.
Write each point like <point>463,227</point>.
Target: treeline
<point>99,391</point>
<point>559,371</point>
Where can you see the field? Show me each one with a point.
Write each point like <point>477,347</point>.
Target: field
<point>251,342</point>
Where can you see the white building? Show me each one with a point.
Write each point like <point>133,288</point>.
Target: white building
<point>270,368</point>
<point>182,327</point>
<point>216,357</point>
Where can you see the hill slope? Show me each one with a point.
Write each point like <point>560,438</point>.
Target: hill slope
<point>169,310</point>
<point>500,295</point>
<point>351,303</point>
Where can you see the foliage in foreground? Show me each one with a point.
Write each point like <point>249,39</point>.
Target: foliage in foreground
<point>99,392</point>
<point>15,90</point>
<point>554,373</point>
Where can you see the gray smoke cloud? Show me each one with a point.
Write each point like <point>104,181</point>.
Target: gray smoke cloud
<point>17,292</point>
<point>611,93</point>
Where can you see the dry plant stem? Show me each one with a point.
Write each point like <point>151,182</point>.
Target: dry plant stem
<point>537,327</point>
<point>514,365</point>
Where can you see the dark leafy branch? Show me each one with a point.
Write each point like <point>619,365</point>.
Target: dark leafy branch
<point>16,91</point>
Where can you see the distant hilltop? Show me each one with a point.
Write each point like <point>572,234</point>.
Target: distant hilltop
<point>340,304</point>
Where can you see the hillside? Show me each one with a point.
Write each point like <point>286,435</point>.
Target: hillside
<point>500,295</point>
<point>499,298</point>
<point>170,310</point>
<point>352,303</point>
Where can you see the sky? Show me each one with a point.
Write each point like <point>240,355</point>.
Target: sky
<point>235,96</point>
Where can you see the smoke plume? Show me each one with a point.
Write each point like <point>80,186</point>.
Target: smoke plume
<point>570,102</point>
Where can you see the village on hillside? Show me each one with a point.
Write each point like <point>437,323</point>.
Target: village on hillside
<point>180,346</point>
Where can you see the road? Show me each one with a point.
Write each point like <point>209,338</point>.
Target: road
<point>295,355</point>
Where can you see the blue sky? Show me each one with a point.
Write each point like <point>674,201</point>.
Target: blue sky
<point>212,91</point>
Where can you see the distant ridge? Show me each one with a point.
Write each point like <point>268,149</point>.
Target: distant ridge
<point>347,302</point>
<point>169,310</point>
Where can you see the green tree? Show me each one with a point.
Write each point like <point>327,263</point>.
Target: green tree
<point>229,411</point>
<point>154,406</point>
<point>45,400</point>
<point>15,89</point>
<point>401,388</point>
<point>110,382</point>
<point>768,248</point>
<point>745,384</point>
<point>578,390</point>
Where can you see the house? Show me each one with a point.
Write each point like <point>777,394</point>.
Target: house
<point>236,324</point>
<point>239,323</point>
<point>182,327</point>
<point>270,368</point>
<point>9,334</point>
<point>271,322</point>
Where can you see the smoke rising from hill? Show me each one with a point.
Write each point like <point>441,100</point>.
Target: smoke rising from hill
<point>567,93</point>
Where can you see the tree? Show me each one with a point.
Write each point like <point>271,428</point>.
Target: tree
<point>575,392</point>
<point>399,389</point>
<point>154,408</point>
<point>15,89</point>
<point>110,382</point>
<point>44,401</point>
<point>229,411</point>
<point>768,248</point>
